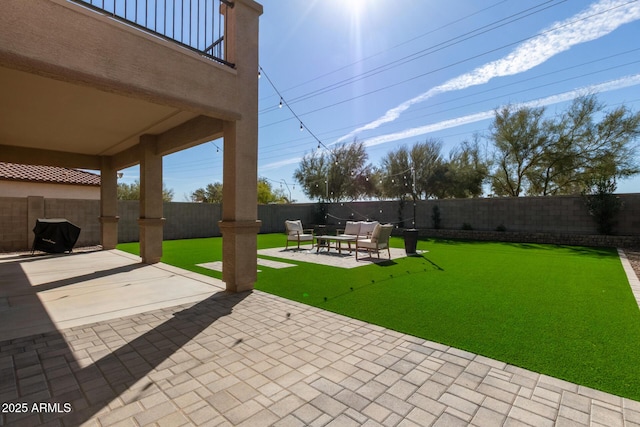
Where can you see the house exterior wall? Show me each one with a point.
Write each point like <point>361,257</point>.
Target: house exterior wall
<point>55,191</point>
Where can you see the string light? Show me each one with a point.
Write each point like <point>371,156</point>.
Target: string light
<point>217,148</point>
<point>285,103</point>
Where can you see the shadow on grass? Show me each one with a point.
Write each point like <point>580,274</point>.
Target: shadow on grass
<point>437,267</point>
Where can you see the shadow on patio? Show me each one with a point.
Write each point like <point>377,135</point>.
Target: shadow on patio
<point>78,380</point>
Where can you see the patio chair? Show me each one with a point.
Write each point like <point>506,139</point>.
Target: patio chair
<point>295,233</point>
<point>379,240</point>
<point>358,229</point>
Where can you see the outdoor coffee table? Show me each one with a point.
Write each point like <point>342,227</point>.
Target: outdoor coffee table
<point>324,241</point>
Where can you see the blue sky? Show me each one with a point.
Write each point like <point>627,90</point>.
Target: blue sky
<point>396,73</point>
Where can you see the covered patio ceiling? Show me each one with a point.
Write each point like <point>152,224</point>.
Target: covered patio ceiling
<point>41,113</point>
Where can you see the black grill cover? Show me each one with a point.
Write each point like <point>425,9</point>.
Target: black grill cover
<point>55,235</point>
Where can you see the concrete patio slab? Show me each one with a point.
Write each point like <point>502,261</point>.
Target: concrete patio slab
<point>44,293</point>
<point>331,258</point>
<point>217,265</point>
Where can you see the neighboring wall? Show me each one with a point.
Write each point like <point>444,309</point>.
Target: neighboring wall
<point>523,217</point>
<point>561,214</point>
<point>18,216</point>
<point>183,220</point>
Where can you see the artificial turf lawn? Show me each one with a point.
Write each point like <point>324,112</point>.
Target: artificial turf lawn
<point>567,312</point>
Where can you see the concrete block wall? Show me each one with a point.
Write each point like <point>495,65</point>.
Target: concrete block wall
<point>13,223</point>
<point>191,220</point>
<point>83,213</point>
<point>563,215</point>
<point>128,230</point>
<point>274,216</point>
<point>18,216</point>
<point>183,220</point>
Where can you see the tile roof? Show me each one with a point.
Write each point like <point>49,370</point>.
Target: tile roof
<point>52,174</point>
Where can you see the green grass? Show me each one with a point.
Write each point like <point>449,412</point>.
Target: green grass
<point>567,312</point>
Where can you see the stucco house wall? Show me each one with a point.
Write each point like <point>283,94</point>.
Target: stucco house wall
<point>48,190</point>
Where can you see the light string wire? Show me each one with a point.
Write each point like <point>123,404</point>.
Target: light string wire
<point>368,218</point>
<point>284,101</point>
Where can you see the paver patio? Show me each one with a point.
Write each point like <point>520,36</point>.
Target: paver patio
<point>255,359</point>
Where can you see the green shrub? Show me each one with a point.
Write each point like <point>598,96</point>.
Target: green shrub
<point>602,204</point>
<point>435,217</point>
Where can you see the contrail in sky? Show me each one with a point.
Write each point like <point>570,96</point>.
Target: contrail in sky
<point>598,20</point>
<point>484,115</point>
<point>621,83</point>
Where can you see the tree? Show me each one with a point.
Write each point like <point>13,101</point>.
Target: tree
<point>399,168</point>
<point>212,193</point>
<point>266,194</point>
<point>463,173</point>
<point>564,155</point>
<point>341,173</point>
<point>520,142</point>
<point>132,191</point>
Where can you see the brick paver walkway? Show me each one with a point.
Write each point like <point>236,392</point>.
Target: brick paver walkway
<point>257,360</point>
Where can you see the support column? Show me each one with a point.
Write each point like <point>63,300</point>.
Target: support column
<point>108,205</point>
<point>240,224</point>
<point>151,221</point>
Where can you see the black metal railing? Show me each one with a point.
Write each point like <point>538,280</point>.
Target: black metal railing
<point>197,25</point>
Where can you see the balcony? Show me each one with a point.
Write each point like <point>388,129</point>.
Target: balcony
<point>193,24</point>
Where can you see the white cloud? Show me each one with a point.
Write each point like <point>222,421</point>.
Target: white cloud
<point>620,83</point>
<point>276,165</point>
<point>598,20</point>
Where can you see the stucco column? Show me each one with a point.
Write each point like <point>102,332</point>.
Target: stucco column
<point>151,221</point>
<point>108,205</point>
<point>240,224</point>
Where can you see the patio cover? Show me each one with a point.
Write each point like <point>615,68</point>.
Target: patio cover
<point>55,235</point>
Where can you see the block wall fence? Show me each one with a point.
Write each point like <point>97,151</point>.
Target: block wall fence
<point>560,219</point>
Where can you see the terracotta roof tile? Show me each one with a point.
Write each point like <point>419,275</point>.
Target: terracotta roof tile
<point>53,174</point>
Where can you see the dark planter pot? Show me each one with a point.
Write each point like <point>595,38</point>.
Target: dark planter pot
<point>410,240</point>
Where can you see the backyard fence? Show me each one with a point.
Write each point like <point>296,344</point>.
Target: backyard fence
<point>560,219</point>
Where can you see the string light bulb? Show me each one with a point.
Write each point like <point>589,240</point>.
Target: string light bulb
<point>301,127</point>
<point>280,105</point>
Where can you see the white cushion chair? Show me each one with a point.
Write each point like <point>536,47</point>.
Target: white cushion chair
<point>351,229</point>
<point>357,229</point>
<point>379,240</point>
<point>295,233</point>
<point>367,228</point>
